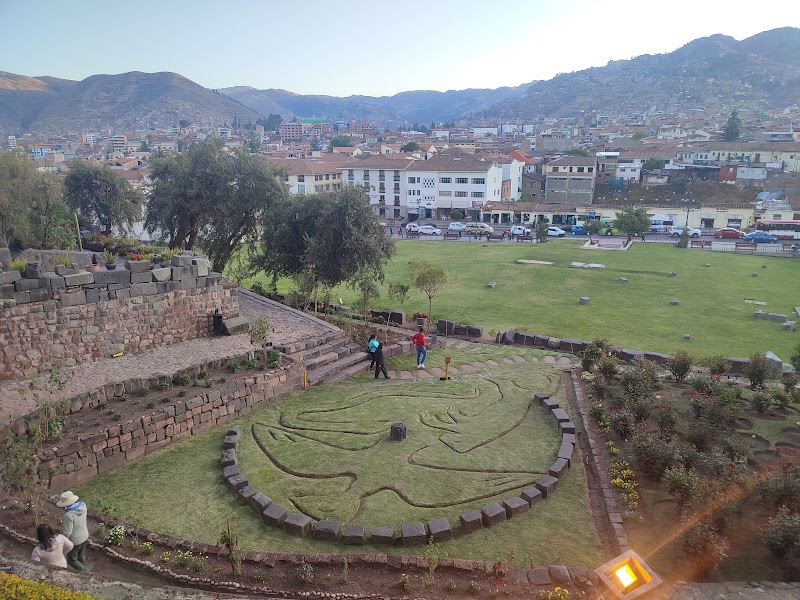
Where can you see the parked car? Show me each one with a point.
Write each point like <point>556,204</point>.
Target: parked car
<point>478,228</point>
<point>579,230</point>
<point>429,230</point>
<point>677,231</point>
<point>412,226</point>
<point>456,226</point>
<point>519,230</point>
<point>728,232</point>
<point>760,237</point>
<point>556,231</point>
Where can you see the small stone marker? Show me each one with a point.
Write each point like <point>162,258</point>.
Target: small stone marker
<point>397,432</point>
<point>577,264</point>
<point>571,288</point>
<point>382,535</point>
<point>707,264</point>
<point>595,266</point>
<point>584,300</point>
<point>687,336</point>
<point>470,520</point>
<point>674,302</point>
<point>491,284</point>
<point>755,274</point>
<point>789,325</point>
<point>763,266</point>
<point>623,280</point>
<point>672,274</point>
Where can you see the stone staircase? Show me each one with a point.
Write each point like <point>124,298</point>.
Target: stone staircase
<point>329,358</point>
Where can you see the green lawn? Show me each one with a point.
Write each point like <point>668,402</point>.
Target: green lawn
<point>325,452</point>
<point>637,314</point>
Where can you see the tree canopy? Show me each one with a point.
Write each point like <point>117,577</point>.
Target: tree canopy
<point>211,198</point>
<point>411,146</point>
<point>428,278</point>
<point>733,127</point>
<point>101,194</point>
<point>633,219</point>
<point>341,141</point>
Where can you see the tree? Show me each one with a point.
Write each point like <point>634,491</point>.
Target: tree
<point>733,127</point>
<point>184,123</point>
<point>211,198</point>
<point>364,284</point>
<point>428,278</point>
<point>102,195</point>
<point>577,151</point>
<point>592,227</point>
<point>639,135</point>
<point>456,215</point>
<point>653,163</point>
<point>411,146</point>
<point>541,231</point>
<point>253,143</point>
<point>341,141</point>
<point>633,220</point>
<point>271,123</point>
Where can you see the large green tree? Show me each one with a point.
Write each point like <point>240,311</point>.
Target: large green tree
<point>733,127</point>
<point>336,238</point>
<point>411,146</point>
<point>341,141</point>
<point>211,198</point>
<point>102,195</point>
<point>632,220</point>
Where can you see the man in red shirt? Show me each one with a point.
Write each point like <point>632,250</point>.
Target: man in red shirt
<point>422,352</point>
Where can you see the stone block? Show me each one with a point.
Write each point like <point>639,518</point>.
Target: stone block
<point>7,277</point>
<point>444,327</point>
<point>737,365</point>
<point>531,495</point>
<point>491,284</point>
<point>354,535</point>
<point>515,506</point>
<point>554,343</point>
<point>143,277</point>
<point>623,280</point>
<point>558,468</point>
<point>559,575</point>
<point>474,330</point>
<point>584,300</point>
<point>541,341</point>
<point>550,403</point>
<point>789,326</point>
<point>236,482</point>
<point>674,302</point>
<point>440,530</point>
<point>259,502</point>
<point>274,515</point>
<point>459,330</point>
<point>26,285</point>
<point>629,355</point>
<point>230,441</point>
<point>117,276</point>
<point>179,273</point>
<point>181,261</point>
<point>297,524</point>
<point>163,287</point>
<point>539,576</point>
<point>539,398</point>
<point>244,494</point>
<point>228,457</point>
<point>568,437</point>
<point>34,270</point>
<point>121,294</point>
<point>22,297</point>
<point>327,530</point>
<point>568,427</point>
<point>382,535</point>
<point>658,358</point>
<point>470,520</point>
<point>112,287</point>
<point>202,266</point>
<point>5,258</point>
<point>138,266</point>
<point>75,298</point>
<point>230,471</point>
<point>184,284</point>
<point>161,274</point>
<point>560,415</point>
<point>235,325</point>
<point>143,289</point>
<point>413,534</point>
<point>492,514</point>
<point>92,296</point>
<point>41,295</point>
<point>55,282</point>
<point>547,485</point>
<point>7,291</point>
<point>82,278</point>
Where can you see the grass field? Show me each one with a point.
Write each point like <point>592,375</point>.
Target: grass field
<point>637,314</point>
<point>326,453</point>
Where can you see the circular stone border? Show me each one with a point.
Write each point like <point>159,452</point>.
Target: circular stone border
<point>411,533</point>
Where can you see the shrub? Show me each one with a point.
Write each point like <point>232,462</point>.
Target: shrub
<point>701,435</point>
<point>641,408</point>
<point>197,563</point>
<point>639,379</point>
<point>705,545</point>
<point>622,423</point>
<point>680,364</point>
<point>600,387</point>
<point>666,418</point>
<point>608,367</point>
<point>682,484</point>
<point>14,587</point>
<point>781,486</point>
<point>146,548</point>
<point>274,358</point>
<point>761,401</point>
<point>234,365</point>
<point>593,352</point>
<point>653,455</point>
<point>758,370</point>
<point>782,533</point>
<point>597,412</point>
<point>717,364</point>
<point>19,264</point>
<point>705,384</point>
<point>473,589</point>
<point>115,536</point>
<point>781,398</point>
<point>305,572</point>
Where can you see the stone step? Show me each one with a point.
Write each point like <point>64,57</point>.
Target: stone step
<point>310,344</point>
<point>319,374</point>
<point>323,348</point>
<point>349,372</point>
<point>312,364</point>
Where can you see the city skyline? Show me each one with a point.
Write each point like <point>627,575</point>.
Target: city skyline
<point>354,47</point>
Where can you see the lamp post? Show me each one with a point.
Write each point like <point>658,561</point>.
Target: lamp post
<point>628,576</point>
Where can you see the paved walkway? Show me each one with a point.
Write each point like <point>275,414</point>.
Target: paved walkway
<point>18,398</point>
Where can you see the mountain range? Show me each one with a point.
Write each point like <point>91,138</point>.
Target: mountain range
<point>712,73</point>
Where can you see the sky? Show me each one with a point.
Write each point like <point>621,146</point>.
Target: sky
<point>347,47</point>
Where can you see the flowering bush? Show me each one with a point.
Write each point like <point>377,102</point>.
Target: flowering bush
<point>587,377</point>
<point>13,587</point>
<point>115,536</point>
<point>623,479</point>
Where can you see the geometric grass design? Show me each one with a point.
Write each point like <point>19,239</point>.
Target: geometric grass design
<point>471,440</point>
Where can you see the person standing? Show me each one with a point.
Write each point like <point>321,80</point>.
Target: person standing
<point>419,343</point>
<point>643,236</point>
<point>372,345</point>
<point>379,366</point>
<point>74,528</point>
<point>51,547</point>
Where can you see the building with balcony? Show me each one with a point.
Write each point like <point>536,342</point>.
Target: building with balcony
<point>310,176</point>
<point>570,180</point>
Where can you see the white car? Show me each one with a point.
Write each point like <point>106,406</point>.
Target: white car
<point>677,231</point>
<point>556,232</point>
<point>519,230</point>
<point>429,230</point>
<point>456,226</point>
<point>413,226</point>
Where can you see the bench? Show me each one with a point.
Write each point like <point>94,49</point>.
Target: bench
<point>699,244</point>
<point>497,237</point>
<point>412,234</point>
<point>745,246</point>
<point>791,248</point>
<point>451,235</point>
<point>524,238</point>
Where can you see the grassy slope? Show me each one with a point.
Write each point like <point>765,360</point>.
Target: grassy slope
<point>179,491</point>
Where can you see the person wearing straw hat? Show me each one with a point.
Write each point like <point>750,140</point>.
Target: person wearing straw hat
<point>74,528</point>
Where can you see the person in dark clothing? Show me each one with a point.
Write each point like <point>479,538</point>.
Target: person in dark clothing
<point>371,345</point>
<point>643,236</point>
<point>379,366</point>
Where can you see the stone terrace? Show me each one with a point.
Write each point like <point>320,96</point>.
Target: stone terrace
<point>289,326</point>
